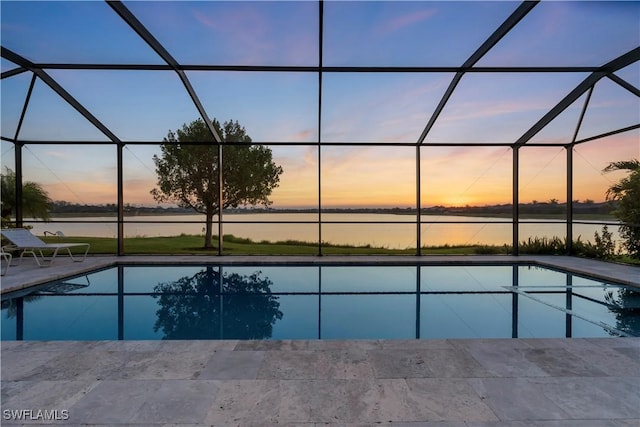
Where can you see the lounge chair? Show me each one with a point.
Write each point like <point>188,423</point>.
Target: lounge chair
<point>22,240</point>
<point>7,257</point>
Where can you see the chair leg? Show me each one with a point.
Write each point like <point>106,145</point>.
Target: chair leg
<point>42,261</point>
<point>83,255</point>
<point>7,257</point>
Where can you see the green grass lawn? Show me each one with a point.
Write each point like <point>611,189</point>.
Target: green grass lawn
<point>192,245</point>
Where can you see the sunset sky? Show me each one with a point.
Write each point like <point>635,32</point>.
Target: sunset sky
<point>486,107</point>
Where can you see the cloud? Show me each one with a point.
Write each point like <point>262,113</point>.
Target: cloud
<point>481,109</point>
<point>86,191</point>
<point>57,154</point>
<point>389,108</point>
<point>244,26</point>
<point>483,175</point>
<point>261,32</point>
<point>403,21</point>
<point>303,135</point>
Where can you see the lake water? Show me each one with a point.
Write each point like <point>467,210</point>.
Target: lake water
<point>379,230</point>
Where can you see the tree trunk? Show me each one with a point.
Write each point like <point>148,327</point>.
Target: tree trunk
<point>208,241</point>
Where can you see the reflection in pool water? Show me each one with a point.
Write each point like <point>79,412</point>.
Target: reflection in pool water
<point>321,302</point>
<point>193,306</point>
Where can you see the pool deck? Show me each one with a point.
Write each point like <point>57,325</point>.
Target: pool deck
<point>577,382</point>
<point>27,274</point>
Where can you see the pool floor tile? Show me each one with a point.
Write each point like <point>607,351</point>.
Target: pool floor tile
<point>327,345</point>
<point>427,363</point>
<point>608,398</point>
<point>15,366</point>
<point>114,402</point>
<point>43,395</point>
<point>232,365</point>
<point>559,362</point>
<point>329,364</point>
<point>560,398</point>
<point>246,402</point>
<point>442,399</point>
<point>515,399</point>
<point>196,346</point>
<point>165,365</point>
<point>79,365</point>
<point>616,361</point>
<point>344,401</point>
<point>554,423</point>
<point>400,364</point>
<point>415,344</point>
<point>505,361</point>
<point>272,345</point>
<point>454,363</point>
<point>146,401</point>
<point>178,400</point>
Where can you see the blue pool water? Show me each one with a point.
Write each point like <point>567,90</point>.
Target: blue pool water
<point>321,302</point>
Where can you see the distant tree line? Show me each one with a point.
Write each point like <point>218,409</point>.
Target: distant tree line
<point>62,207</point>
<point>550,207</point>
<point>586,207</point>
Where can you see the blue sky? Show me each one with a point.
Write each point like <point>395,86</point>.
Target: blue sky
<point>283,107</point>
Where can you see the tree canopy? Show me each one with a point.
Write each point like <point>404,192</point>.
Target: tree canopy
<point>35,200</point>
<point>626,194</point>
<point>188,175</point>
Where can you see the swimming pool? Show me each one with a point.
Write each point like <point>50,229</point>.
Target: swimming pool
<point>321,302</point>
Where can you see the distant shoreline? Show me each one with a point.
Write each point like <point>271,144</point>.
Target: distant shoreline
<point>545,210</point>
<point>561,217</point>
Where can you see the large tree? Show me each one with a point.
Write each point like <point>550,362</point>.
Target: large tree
<point>188,173</point>
<point>35,200</point>
<point>626,194</point>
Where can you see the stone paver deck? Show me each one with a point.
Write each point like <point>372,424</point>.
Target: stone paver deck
<point>27,273</point>
<point>443,383</point>
<point>438,383</point>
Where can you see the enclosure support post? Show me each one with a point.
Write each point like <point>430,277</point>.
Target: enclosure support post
<point>19,319</point>
<point>319,302</point>
<point>569,307</point>
<point>570,173</point>
<point>570,199</point>
<point>514,301</point>
<point>418,293</point>
<point>320,37</point>
<point>18,156</point>
<point>120,302</point>
<point>516,200</point>
<point>319,200</point>
<point>220,198</point>
<point>120,196</point>
<point>418,204</point>
<point>18,190</point>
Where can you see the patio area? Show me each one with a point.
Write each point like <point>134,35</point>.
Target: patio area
<point>453,383</point>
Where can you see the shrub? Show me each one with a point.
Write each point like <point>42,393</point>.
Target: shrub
<point>543,246</point>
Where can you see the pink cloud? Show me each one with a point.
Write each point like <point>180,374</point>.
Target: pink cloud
<point>303,135</point>
<point>245,26</point>
<point>403,21</point>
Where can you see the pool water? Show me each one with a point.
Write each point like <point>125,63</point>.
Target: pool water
<point>321,302</point>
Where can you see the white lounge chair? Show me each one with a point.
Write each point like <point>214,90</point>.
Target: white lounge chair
<point>7,257</point>
<point>22,240</point>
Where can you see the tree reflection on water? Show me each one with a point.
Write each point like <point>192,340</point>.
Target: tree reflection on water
<point>200,307</point>
<point>625,304</point>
